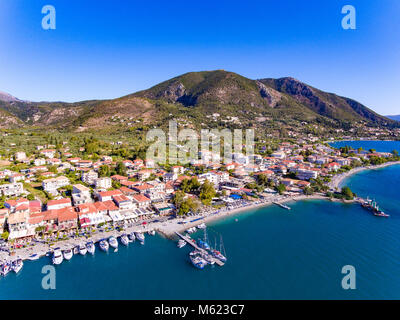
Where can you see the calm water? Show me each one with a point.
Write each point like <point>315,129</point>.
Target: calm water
<point>273,254</point>
<point>380,146</point>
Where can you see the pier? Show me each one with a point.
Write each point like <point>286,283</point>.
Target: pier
<point>282,205</point>
<point>194,245</point>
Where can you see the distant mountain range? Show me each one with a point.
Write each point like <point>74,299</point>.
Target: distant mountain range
<point>397,118</point>
<point>212,98</point>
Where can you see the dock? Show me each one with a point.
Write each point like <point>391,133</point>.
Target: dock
<point>194,245</point>
<point>282,205</point>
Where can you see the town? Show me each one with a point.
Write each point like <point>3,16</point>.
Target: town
<point>58,195</point>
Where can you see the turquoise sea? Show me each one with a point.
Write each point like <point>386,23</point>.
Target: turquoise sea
<point>273,254</point>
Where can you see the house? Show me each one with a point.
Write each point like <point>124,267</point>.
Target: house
<point>333,166</point>
<point>91,213</point>
<point>59,204</point>
<point>170,176</point>
<point>48,153</point>
<point>84,164</point>
<point>119,178</point>
<point>20,156</point>
<point>67,218</point>
<point>12,189</point>
<point>141,200</point>
<point>103,183</point>
<point>107,195</point>
<point>16,177</point>
<point>19,205</point>
<point>89,177</point>
<point>81,194</point>
<point>149,163</point>
<point>3,217</point>
<point>144,174</point>
<point>39,162</point>
<point>123,202</point>
<point>55,183</point>
<point>178,169</point>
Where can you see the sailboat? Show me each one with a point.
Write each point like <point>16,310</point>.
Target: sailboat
<point>204,243</point>
<point>221,254</point>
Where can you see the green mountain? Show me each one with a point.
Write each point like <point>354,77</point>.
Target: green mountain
<point>201,99</point>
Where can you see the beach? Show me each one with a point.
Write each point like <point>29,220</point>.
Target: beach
<point>338,179</point>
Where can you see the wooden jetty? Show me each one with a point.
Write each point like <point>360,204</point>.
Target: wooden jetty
<point>194,245</point>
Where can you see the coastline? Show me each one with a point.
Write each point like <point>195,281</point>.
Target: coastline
<point>169,227</point>
<point>338,179</point>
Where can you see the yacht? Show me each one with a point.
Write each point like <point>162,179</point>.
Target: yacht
<point>68,254</point>
<point>202,226</point>
<point>124,240</point>
<point>57,257</point>
<point>5,268</point>
<point>139,236</point>
<point>17,265</point>
<point>181,243</point>
<point>90,247</point>
<point>131,237</point>
<point>103,245</point>
<point>197,260</point>
<point>82,249</point>
<point>113,242</point>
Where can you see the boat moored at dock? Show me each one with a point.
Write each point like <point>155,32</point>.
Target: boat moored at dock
<point>5,268</point>
<point>197,260</point>
<point>82,249</point>
<point>17,265</point>
<point>181,243</point>
<point>371,205</point>
<point>131,237</point>
<point>139,236</point>
<point>113,242</point>
<point>90,247</point>
<point>67,253</point>
<point>124,239</point>
<point>103,244</point>
<point>57,257</point>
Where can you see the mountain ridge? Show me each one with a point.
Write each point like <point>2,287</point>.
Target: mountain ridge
<point>193,97</point>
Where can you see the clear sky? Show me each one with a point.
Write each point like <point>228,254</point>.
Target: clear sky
<point>107,49</point>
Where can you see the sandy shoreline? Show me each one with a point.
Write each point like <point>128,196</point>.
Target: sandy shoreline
<point>338,179</point>
<point>168,228</point>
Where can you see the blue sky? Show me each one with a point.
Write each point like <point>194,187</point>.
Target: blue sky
<point>107,49</point>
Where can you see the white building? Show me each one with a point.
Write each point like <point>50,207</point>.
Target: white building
<point>103,183</point>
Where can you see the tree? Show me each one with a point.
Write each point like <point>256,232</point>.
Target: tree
<point>207,192</point>
<point>120,169</point>
<point>5,235</point>
<point>281,188</point>
<point>104,171</point>
<point>347,193</point>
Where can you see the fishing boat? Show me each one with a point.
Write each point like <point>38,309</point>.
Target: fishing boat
<point>68,254</point>
<point>90,247</point>
<point>57,257</point>
<point>124,240</point>
<point>113,242</point>
<point>131,237</point>
<point>181,243</point>
<point>17,265</point>
<point>82,249</point>
<point>139,236</point>
<point>197,260</point>
<point>76,250</point>
<point>103,245</point>
<point>5,268</point>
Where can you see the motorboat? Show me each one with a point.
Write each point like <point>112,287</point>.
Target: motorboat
<point>17,265</point>
<point>90,247</point>
<point>57,257</point>
<point>131,237</point>
<point>139,236</point>
<point>82,249</point>
<point>113,242</point>
<point>68,254</point>
<point>104,245</point>
<point>181,243</point>
<point>5,268</point>
<point>124,239</point>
